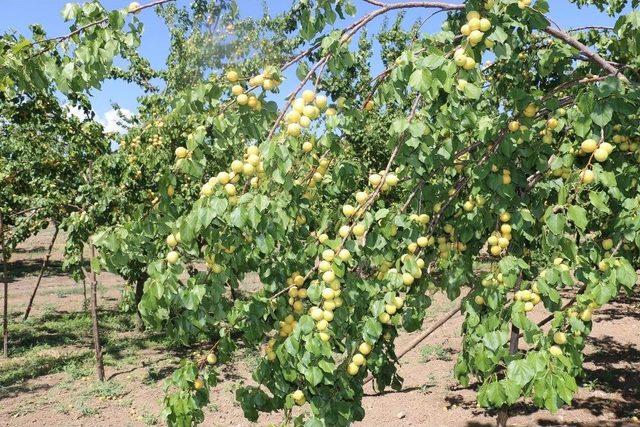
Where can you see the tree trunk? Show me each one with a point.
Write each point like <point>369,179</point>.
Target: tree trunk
<point>5,314</point>
<point>44,266</point>
<point>85,303</point>
<point>94,318</point>
<point>503,414</point>
<point>139,291</point>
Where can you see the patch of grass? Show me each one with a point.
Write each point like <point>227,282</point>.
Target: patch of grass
<point>72,290</point>
<point>62,408</point>
<point>437,309</point>
<point>77,369</point>
<point>125,403</point>
<point>252,359</point>
<point>86,410</point>
<point>149,419</point>
<point>19,369</point>
<point>62,342</point>
<point>157,374</point>
<point>120,361</point>
<point>105,390</point>
<point>230,386</point>
<point>48,309</point>
<point>31,267</point>
<point>436,351</point>
<point>592,385</point>
<point>33,343</point>
<point>52,329</point>
<point>23,410</point>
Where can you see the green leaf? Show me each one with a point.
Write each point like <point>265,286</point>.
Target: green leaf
<point>472,91</point>
<point>433,61</point>
<point>314,375</point>
<point>372,330</point>
<point>520,371</point>
<point>306,324</point>
<point>302,70</point>
<point>556,223</point>
<point>399,125</point>
<point>602,114</point>
<point>494,340</point>
<point>420,80</point>
<point>578,215</point>
<point>599,201</point>
<point>512,390</point>
<point>95,265</point>
<point>626,275</point>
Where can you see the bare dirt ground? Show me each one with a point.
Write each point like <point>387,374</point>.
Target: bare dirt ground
<point>49,378</point>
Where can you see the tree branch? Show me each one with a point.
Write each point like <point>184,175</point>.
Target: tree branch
<point>417,340</point>
<point>592,56</point>
<point>60,39</point>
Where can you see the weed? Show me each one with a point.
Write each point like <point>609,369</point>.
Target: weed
<point>62,408</point>
<point>436,351</point>
<point>33,365</point>
<point>85,410</point>
<point>77,369</point>
<point>48,309</point>
<point>125,403</point>
<point>105,390</point>
<point>428,385</point>
<point>230,386</point>
<point>23,410</point>
<point>252,359</point>
<point>73,290</point>
<point>149,419</point>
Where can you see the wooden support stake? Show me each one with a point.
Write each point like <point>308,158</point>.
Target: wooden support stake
<point>5,310</point>
<point>44,267</point>
<point>503,414</point>
<point>94,318</point>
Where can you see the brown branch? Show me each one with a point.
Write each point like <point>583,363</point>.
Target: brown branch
<point>412,195</point>
<point>575,297</point>
<point>94,317</point>
<point>593,56</point>
<point>383,9</point>
<point>26,211</point>
<point>293,95</point>
<point>564,307</point>
<point>375,2</point>
<point>417,340</point>
<point>299,56</point>
<point>503,414</point>
<point>367,203</point>
<point>590,27</point>
<point>60,39</point>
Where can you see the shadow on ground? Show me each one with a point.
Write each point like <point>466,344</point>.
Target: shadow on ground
<point>61,341</point>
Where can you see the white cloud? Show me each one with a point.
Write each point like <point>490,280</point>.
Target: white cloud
<point>113,122</point>
<point>75,111</point>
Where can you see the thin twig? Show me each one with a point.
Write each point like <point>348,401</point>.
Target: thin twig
<point>60,39</point>
<point>417,340</point>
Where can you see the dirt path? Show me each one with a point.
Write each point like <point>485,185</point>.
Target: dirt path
<point>53,351</point>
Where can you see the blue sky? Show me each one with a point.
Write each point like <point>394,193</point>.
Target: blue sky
<point>18,14</point>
